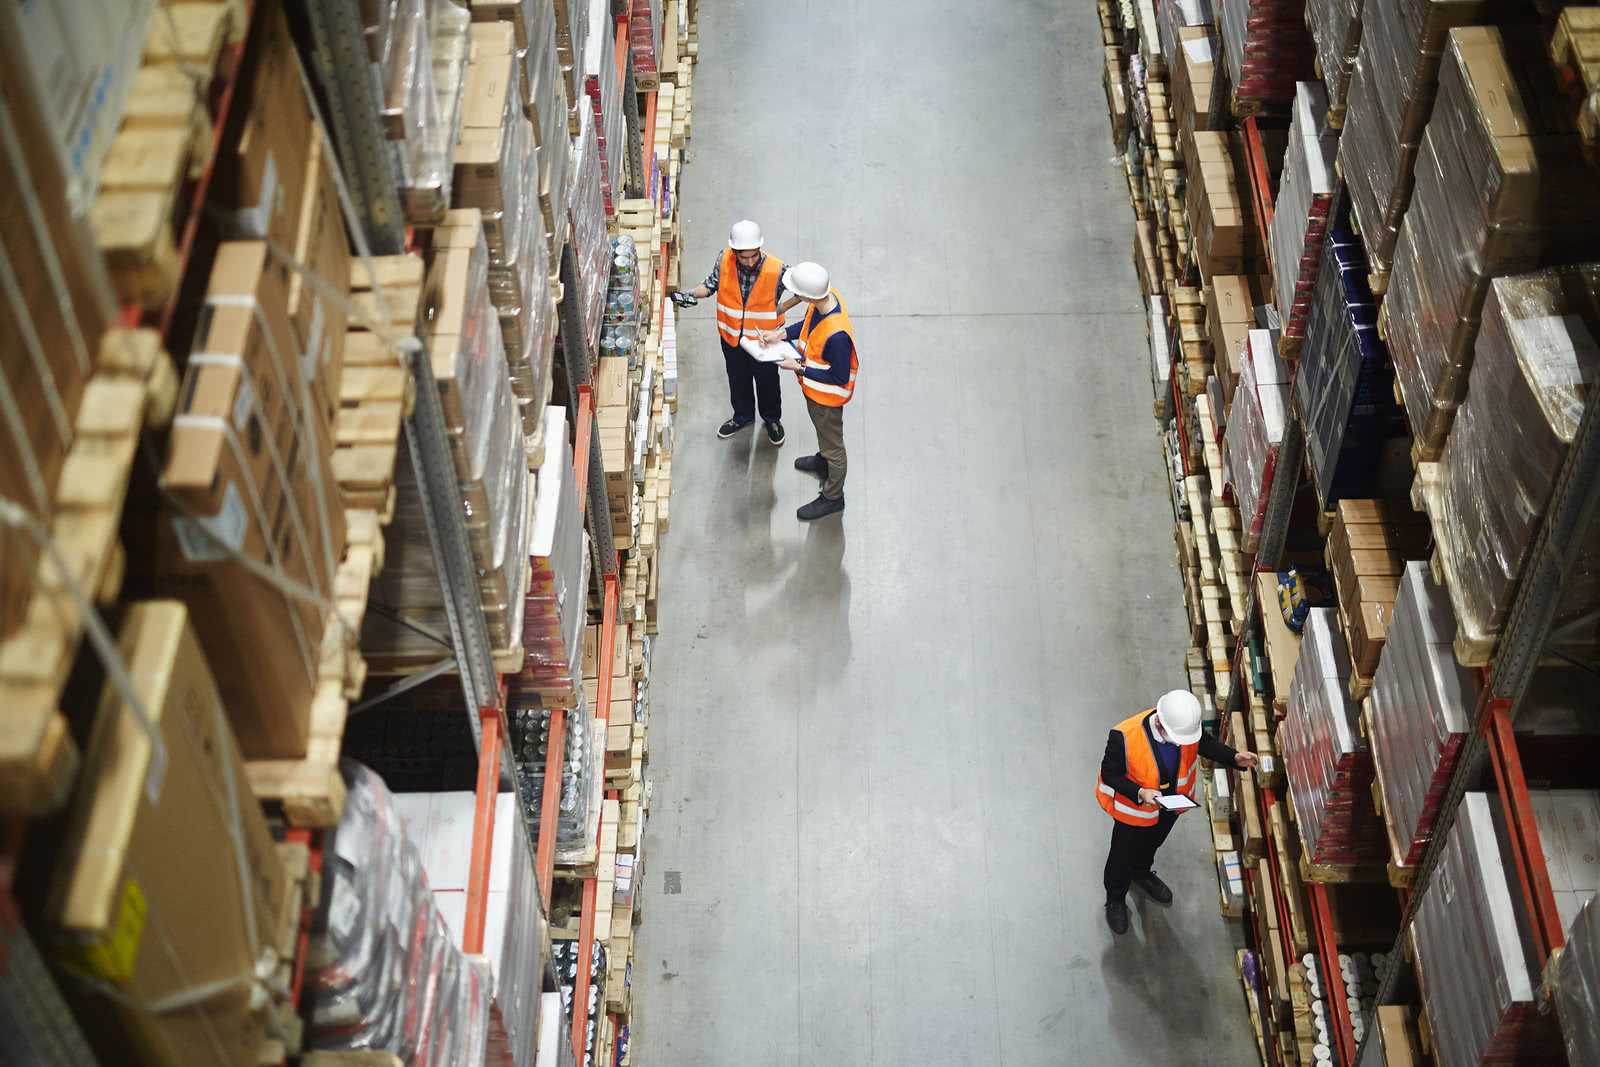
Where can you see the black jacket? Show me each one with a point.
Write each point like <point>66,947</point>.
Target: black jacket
<point>1114,766</point>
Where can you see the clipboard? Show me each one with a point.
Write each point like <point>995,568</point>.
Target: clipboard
<point>771,353</point>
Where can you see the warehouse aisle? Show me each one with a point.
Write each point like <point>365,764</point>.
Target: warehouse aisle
<point>873,742</point>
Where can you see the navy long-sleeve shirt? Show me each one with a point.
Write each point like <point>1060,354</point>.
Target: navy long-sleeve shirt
<point>1114,765</point>
<point>837,351</point>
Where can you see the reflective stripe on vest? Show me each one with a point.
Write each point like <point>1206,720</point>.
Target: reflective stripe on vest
<point>1145,771</point>
<point>738,317</point>
<point>814,336</point>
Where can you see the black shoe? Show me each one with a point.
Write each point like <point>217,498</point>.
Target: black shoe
<point>1117,917</point>
<point>775,432</point>
<point>819,507</point>
<point>1155,887</point>
<point>812,465</point>
<point>732,426</point>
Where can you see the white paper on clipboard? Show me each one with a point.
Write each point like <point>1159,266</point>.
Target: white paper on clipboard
<point>770,353</point>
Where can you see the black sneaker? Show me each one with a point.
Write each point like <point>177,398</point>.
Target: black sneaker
<point>819,507</point>
<point>1155,887</point>
<point>812,465</point>
<point>775,432</point>
<point>1117,917</point>
<point>732,426</point>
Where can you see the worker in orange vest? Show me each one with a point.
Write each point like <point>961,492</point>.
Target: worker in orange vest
<point>751,299</point>
<point>827,371</point>
<point>1152,756</point>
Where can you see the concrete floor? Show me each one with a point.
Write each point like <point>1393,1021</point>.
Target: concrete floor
<point>874,741</point>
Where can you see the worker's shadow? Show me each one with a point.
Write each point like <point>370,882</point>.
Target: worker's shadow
<point>816,596</point>
<point>744,489</point>
<point>1150,973</point>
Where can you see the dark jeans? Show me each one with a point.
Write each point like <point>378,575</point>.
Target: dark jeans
<point>749,381</point>
<point>1133,851</point>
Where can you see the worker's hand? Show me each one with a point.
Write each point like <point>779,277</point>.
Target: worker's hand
<point>771,337</point>
<point>1247,761</point>
<point>1148,796</point>
<point>790,364</point>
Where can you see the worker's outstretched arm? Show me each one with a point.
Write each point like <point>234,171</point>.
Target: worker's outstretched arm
<point>1216,751</point>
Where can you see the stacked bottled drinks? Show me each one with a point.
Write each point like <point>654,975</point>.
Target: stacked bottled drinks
<point>619,331</point>
<point>530,747</point>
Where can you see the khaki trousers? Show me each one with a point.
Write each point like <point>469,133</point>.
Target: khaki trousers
<point>829,422</point>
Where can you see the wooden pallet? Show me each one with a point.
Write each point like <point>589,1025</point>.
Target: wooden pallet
<point>133,385</point>
<point>162,142</point>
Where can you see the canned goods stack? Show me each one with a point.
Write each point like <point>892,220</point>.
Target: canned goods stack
<point>619,332</point>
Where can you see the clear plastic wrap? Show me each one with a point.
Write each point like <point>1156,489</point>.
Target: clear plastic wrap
<point>1576,986</point>
<point>1420,710</point>
<point>1327,760</point>
<point>423,49</point>
<point>590,244</point>
<point>619,336</point>
<point>382,969</point>
<point>604,95</point>
<point>557,600</point>
<point>1388,102</point>
<point>486,432</point>
<point>1344,381</point>
<point>1471,962</point>
<point>1306,192</point>
<point>1255,428</point>
<point>1536,360</point>
<point>1488,200</point>
<point>1335,27</point>
<point>1267,47</point>
<point>644,36</point>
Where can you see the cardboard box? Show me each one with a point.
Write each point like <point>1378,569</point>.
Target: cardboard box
<point>170,881</point>
<point>258,188</point>
<point>318,314</point>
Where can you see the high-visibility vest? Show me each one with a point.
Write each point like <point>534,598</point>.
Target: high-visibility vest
<point>815,329</point>
<point>738,317</point>
<point>1145,770</point>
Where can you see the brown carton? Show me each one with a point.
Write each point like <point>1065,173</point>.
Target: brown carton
<point>318,313</point>
<point>170,882</point>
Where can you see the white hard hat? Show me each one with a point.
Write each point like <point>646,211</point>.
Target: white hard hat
<point>744,236</point>
<point>1179,713</point>
<point>807,280</point>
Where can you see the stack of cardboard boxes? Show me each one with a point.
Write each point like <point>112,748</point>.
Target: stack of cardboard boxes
<point>248,469</point>
<point>1221,226</point>
<point>1368,547</point>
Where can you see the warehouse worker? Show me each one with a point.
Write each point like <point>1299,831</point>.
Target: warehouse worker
<point>827,370</point>
<point>1154,754</point>
<point>750,299</point>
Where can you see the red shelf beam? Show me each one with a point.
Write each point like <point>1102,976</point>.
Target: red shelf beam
<point>1532,872</point>
<point>492,722</point>
<point>580,448</point>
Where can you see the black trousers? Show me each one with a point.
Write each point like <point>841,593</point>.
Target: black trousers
<point>751,381</point>
<point>1133,850</point>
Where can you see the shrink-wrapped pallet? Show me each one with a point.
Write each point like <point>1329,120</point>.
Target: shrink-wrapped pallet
<point>1267,48</point>
<point>1327,760</point>
<point>604,92</point>
<point>590,245</point>
<point>1501,188</point>
<point>1306,192</point>
<point>1335,27</point>
<point>423,47</point>
<point>1576,985</point>
<point>1255,428</point>
<point>1478,982</point>
<point>1536,359</point>
<point>1420,710</point>
<point>1344,381</point>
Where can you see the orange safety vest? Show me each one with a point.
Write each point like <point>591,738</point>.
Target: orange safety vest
<point>738,317</point>
<point>813,337</point>
<point>1146,773</point>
